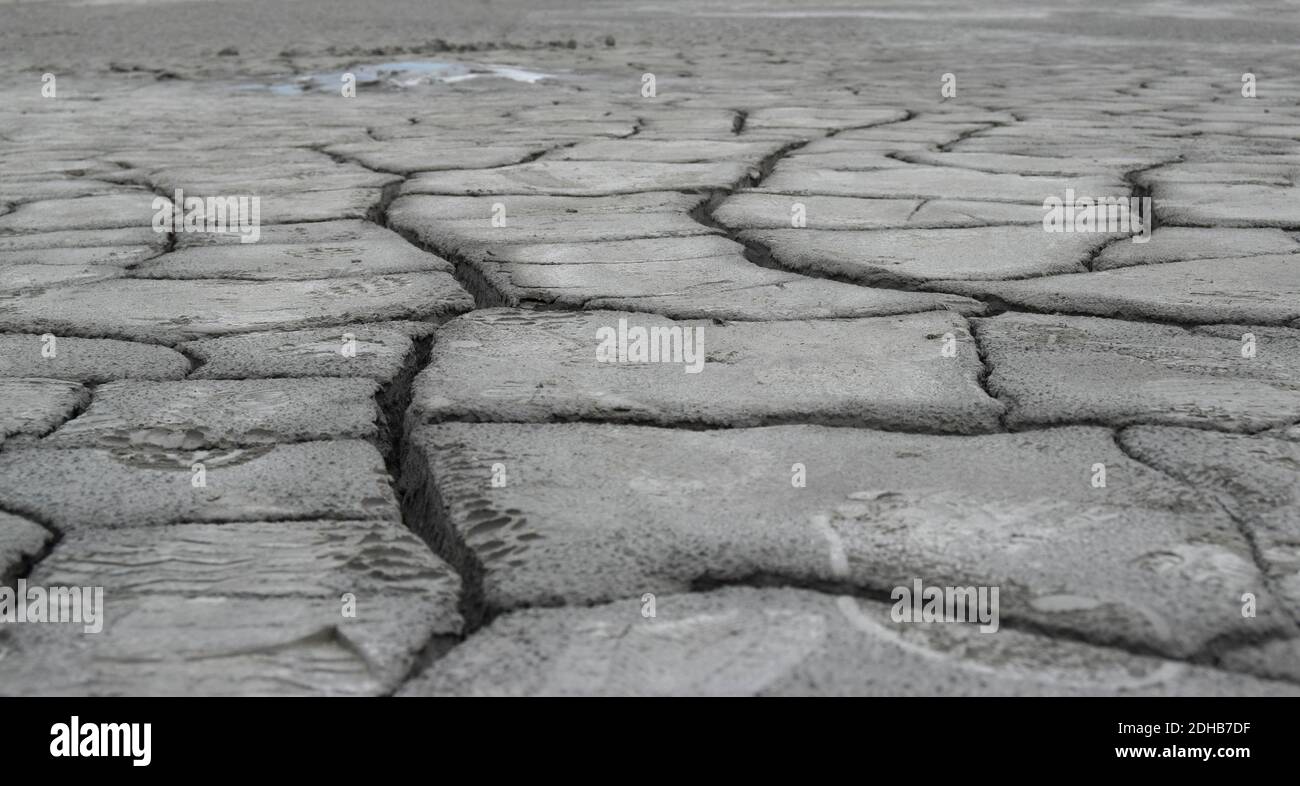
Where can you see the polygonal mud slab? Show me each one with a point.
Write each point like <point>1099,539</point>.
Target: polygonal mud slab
<point>581,178</point>
<point>522,366</point>
<point>374,560</point>
<point>57,188</point>
<point>173,311</point>
<point>86,360</point>
<point>1052,370</point>
<point>452,225</point>
<point>205,414</point>
<point>1256,478</point>
<point>1206,204</point>
<point>744,641</point>
<point>133,209</point>
<point>273,161</point>
<point>245,608</point>
<point>824,117</point>
<point>915,134</point>
<point>647,249</point>
<point>33,407</point>
<point>1178,244</point>
<point>1059,142</point>
<point>905,257</point>
<point>83,256</point>
<point>96,488</point>
<point>1043,166</point>
<point>408,156</point>
<point>289,208</point>
<point>142,235</point>
<point>726,287</point>
<point>34,161</point>
<point>848,157</point>
<point>667,151</point>
<point>263,262</point>
<point>20,279</point>
<point>1260,290</point>
<point>270,185</point>
<point>228,645</point>
<point>1262,171</point>
<point>378,351</point>
<point>955,213</point>
<point>1270,342</point>
<point>349,231</point>
<point>935,183</point>
<point>21,541</point>
<point>578,513</point>
<point>780,296</point>
<point>753,210</point>
<point>461,208</point>
<point>1276,345</point>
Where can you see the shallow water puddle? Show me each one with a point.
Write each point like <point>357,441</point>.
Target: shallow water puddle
<point>403,75</point>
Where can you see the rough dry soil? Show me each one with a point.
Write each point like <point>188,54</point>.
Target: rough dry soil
<point>374,452</point>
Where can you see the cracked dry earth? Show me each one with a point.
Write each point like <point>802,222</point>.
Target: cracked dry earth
<point>372,475</point>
